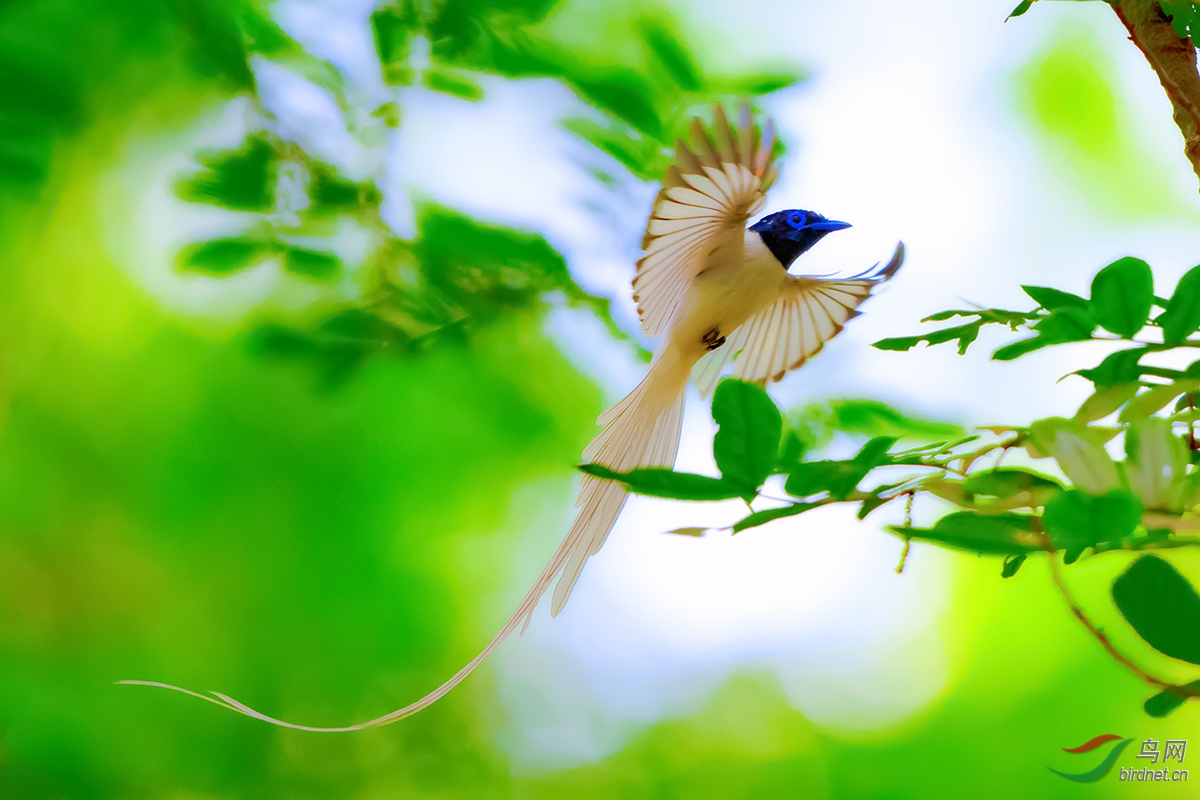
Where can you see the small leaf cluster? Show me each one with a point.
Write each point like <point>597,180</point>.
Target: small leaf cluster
<point>1122,304</point>
<point>451,274</point>
<point>1052,487</point>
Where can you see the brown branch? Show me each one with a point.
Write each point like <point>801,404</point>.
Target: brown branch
<point>1101,637</point>
<point>1173,59</point>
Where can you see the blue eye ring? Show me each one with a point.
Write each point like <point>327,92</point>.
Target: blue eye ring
<point>797,220</point>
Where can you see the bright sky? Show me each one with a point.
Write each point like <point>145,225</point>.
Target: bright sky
<point>909,128</point>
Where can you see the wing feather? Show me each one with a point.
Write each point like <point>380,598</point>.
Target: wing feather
<point>691,197</point>
<point>793,329</point>
<point>715,184</point>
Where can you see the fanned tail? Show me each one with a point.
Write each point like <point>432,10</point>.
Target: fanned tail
<point>641,430</point>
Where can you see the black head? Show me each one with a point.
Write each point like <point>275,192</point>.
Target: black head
<point>789,233</point>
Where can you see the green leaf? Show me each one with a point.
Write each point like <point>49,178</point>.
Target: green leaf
<point>963,334</point>
<point>985,534</point>
<point>696,532</point>
<point>839,478</point>
<point>1067,324</point>
<point>661,482</point>
<point>900,343</point>
<point>638,154</point>
<point>791,450</point>
<point>393,26</point>
<point>1122,294</point>
<point>1154,400</point>
<point>311,263</point>
<point>749,427</point>
<point>1166,701</point>
<point>1104,401</point>
<point>225,256</point>
<point>871,418</point>
<point>625,95</point>
<point>452,82</point>
<point>871,503</point>
<point>1182,317</point>
<point>874,453</point>
<point>1185,17</point>
<point>330,193</point>
<point>1051,299</point>
<point>1157,460</point>
<point>262,35</point>
<point>996,316</point>
<point>673,56</point>
<point>1019,348</point>
<point>1076,520</point>
<point>769,515</point>
<point>241,179</point>
<point>1161,606</point>
<point>758,83</point>
<point>1079,452</point>
<point>1012,563</point>
<point>1005,482</point>
<point>469,273</point>
<point>1117,368</point>
<point>1021,8</point>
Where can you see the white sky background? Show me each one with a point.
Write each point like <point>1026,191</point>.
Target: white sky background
<point>908,129</point>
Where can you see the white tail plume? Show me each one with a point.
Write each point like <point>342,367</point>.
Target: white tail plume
<point>642,430</point>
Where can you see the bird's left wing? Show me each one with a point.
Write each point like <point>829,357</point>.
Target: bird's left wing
<point>707,196</point>
<point>784,335</point>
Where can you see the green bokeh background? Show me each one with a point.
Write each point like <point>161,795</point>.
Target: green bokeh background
<point>175,505</point>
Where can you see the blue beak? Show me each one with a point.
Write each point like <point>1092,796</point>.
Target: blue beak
<point>829,226</point>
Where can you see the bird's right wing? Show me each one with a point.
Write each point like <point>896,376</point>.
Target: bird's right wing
<point>793,329</point>
<point>707,196</point>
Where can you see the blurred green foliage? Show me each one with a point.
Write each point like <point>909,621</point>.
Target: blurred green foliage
<point>173,505</point>
<point>1088,128</point>
<point>455,275</point>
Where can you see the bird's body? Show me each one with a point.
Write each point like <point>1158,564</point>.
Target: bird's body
<point>713,292</point>
<point>739,281</point>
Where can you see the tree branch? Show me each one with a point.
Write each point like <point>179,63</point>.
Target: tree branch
<point>1173,59</point>
<point>1101,637</point>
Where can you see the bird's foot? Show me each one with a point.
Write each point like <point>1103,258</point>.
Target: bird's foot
<point>712,339</point>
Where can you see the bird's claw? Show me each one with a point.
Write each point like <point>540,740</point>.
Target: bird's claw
<point>712,339</point>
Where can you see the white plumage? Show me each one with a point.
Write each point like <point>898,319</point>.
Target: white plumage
<point>715,293</point>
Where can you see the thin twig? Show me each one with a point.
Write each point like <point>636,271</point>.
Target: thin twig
<point>1101,637</point>
<point>907,539</point>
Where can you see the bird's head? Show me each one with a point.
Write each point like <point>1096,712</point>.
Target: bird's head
<point>789,233</point>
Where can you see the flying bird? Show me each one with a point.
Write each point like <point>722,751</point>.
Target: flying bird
<point>713,292</point>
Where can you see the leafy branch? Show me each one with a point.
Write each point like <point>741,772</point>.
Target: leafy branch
<point>1083,503</point>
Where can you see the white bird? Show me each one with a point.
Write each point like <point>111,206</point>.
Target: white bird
<point>713,292</point>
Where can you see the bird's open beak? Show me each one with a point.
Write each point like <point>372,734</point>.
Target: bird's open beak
<point>829,225</point>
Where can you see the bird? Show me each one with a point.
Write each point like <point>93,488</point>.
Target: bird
<point>713,292</point>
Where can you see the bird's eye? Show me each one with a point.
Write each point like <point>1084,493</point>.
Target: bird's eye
<point>797,220</point>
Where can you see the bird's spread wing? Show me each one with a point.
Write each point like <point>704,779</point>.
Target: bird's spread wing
<point>707,196</point>
<point>781,337</point>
